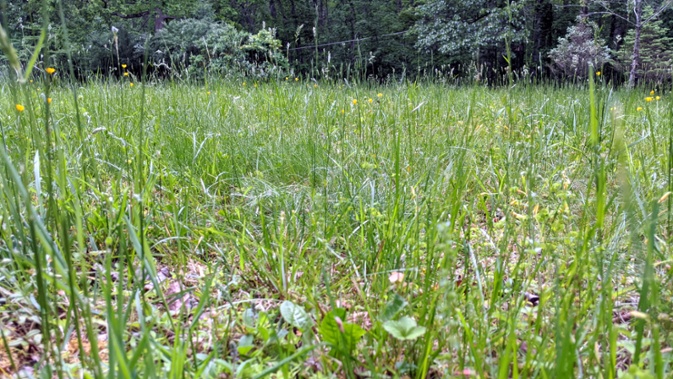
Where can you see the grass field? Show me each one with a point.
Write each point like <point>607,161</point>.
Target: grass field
<point>302,229</point>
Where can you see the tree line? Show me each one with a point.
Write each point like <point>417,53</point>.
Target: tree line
<point>487,40</point>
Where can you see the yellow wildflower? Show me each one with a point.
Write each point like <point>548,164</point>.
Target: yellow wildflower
<point>286,78</point>
<point>207,92</point>
<point>658,98</point>
<point>244,84</point>
<point>296,79</point>
<point>126,73</point>
<point>49,100</point>
<point>123,65</point>
<point>379,95</point>
<point>131,84</point>
<point>598,73</point>
<point>639,109</point>
<point>648,99</point>
<point>50,70</point>
<point>20,107</point>
<point>355,101</point>
<point>651,92</point>
<point>343,111</point>
<point>370,100</point>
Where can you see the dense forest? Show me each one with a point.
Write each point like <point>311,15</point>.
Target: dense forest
<point>474,39</point>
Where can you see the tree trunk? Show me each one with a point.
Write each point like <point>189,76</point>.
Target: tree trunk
<point>272,9</point>
<point>635,58</point>
<point>159,20</point>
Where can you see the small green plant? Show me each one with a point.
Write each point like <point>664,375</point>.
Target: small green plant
<point>405,329</point>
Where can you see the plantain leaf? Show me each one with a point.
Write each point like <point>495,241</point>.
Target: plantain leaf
<point>295,315</point>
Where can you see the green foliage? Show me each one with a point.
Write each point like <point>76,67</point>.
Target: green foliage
<point>405,329</point>
<point>188,229</point>
<point>393,307</point>
<point>295,315</point>
<point>656,51</point>
<point>198,46</point>
<point>464,27</point>
<point>264,56</point>
<point>579,49</point>
<point>326,39</point>
<point>341,336</point>
<point>104,36</point>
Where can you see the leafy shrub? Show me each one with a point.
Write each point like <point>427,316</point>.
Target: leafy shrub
<point>578,49</point>
<point>194,46</point>
<point>263,54</point>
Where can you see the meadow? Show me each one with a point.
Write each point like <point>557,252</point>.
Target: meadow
<point>326,229</point>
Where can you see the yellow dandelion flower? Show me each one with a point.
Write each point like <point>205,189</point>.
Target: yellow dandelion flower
<point>343,111</point>
<point>296,79</point>
<point>20,107</point>
<point>286,78</point>
<point>652,93</point>
<point>126,73</point>
<point>49,100</point>
<point>50,70</point>
<point>207,92</point>
<point>370,100</point>
<point>639,109</point>
<point>244,84</point>
<point>379,95</point>
<point>658,98</point>
<point>131,84</point>
<point>355,101</point>
<point>31,80</point>
<point>598,73</point>
<point>123,65</point>
<point>648,99</point>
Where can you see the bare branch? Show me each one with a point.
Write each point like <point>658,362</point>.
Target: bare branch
<point>133,15</point>
<point>611,14</point>
<point>659,11</point>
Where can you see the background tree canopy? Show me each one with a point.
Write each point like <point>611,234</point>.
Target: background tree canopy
<point>330,38</point>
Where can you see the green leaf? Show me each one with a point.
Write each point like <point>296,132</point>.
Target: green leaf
<point>245,344</point>
<point>404,329</point>
<point>249,318</point>
<point>393,307</point>
<point>263,326</point>
<point>341,336</point>
<point>295,315</point>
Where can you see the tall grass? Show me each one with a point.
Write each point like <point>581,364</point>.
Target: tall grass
<point>158,230</point>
